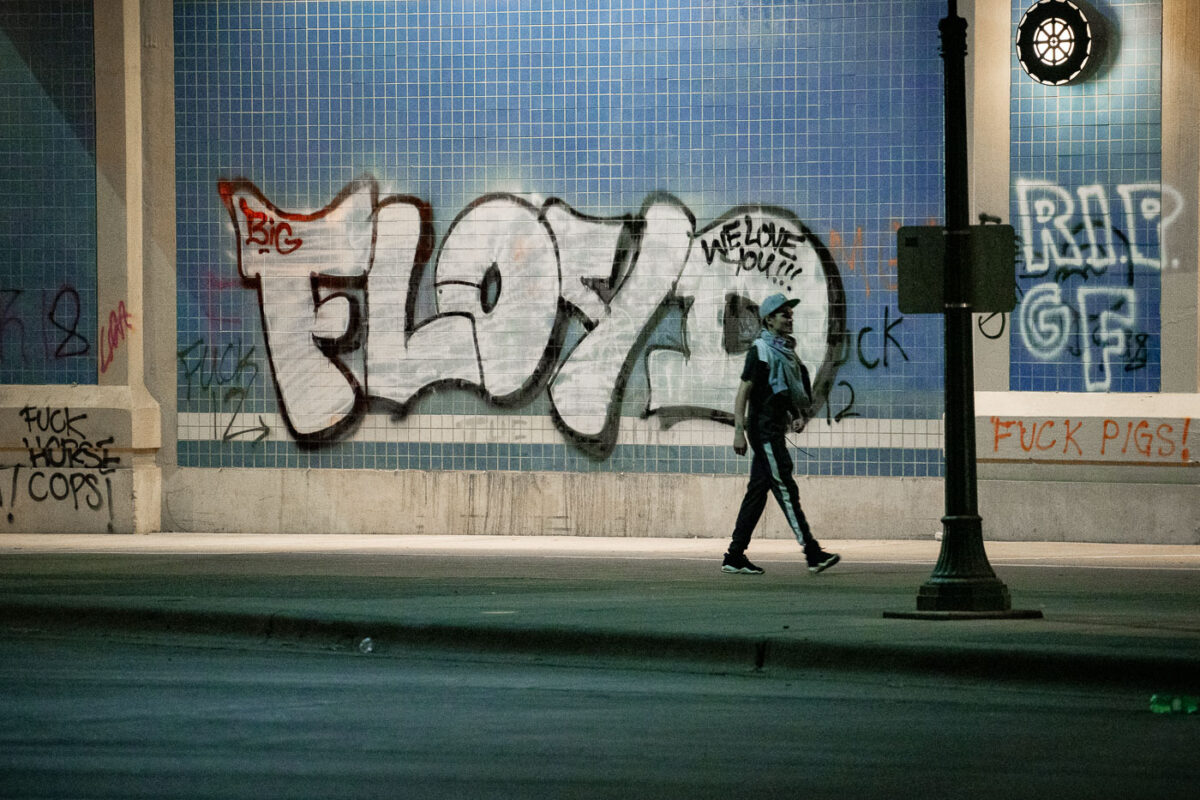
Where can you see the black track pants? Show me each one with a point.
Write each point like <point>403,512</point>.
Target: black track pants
<point>770,471</point>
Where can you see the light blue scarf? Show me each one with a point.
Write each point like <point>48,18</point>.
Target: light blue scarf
<point>783,367</point>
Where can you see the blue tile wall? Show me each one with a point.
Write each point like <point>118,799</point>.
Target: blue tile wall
<point>828,110</point>
<point>1089,202</point>
<point>47,193</point>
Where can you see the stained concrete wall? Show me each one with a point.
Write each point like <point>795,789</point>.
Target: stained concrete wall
<point>541,503</point>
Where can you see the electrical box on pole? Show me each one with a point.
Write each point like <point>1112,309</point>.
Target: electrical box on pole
<point>921,265</point>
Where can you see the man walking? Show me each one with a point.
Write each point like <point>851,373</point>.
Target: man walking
<point>775,385</point>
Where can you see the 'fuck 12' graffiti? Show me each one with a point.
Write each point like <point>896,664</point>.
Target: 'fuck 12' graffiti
<point>358,312</point>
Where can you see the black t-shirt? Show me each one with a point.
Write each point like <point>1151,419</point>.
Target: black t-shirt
<point>769,414</point>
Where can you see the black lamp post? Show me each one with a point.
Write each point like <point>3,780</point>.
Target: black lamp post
<point>963,582</point>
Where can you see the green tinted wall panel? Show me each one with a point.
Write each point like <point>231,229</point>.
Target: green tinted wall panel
<point>47,193</point>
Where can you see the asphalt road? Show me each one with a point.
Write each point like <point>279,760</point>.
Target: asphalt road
<point>115,717</point>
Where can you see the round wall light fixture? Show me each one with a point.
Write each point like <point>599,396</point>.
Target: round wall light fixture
<point>1056,41</point>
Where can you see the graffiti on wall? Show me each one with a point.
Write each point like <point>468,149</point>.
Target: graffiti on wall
<point>67,464</point>
<point>113,334</point>
<point>1081,252</point>
<point>41,326</point>
<point>225,376</point>
<point>1062,236</point>
<point>361,307</point>
<point>1087,440</point>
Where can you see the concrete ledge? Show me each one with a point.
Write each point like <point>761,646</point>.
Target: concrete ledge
<point>1118,513</point>
<point>534,503</point>
<point>676,506</point>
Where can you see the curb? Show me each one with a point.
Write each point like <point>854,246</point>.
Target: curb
<point>664,651</point>
<point>386,635</point>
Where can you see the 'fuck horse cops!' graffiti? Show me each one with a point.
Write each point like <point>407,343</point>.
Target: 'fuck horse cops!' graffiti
<point>346,292</point>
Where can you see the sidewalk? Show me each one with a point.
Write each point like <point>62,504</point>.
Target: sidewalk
<point>1126,614</point>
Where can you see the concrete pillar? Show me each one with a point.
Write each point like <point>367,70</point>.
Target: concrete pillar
<point>114,482</point>
<point>988,76</point>
<point>1181,179</point>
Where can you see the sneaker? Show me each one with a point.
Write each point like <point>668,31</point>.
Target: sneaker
<point>819,560</point>
<point>739,564</point>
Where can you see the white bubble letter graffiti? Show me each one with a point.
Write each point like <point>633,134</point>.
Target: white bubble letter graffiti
<point>1143,221</point>
<point>590,253</point>
<point>1044,322</point>
<point>498,265</point>
<point>403,358</point>
<point>300,264</point>
<point>1046,211</point>
<point>586,391</point>
<point>1097,228</point>
<point>1107,314</point>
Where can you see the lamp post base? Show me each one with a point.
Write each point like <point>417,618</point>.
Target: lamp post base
<point>963,585</point>
<point>965,599</point>
<point>1012,613</point>
<point>984,597</point>
<point>963,594</point>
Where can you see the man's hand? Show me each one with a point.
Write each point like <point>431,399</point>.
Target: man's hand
<point>739,417</point>
<point>797,424</point>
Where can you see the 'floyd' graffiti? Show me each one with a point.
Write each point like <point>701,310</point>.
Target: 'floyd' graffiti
<point>521,298</point>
